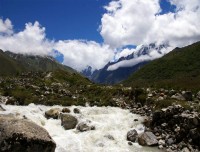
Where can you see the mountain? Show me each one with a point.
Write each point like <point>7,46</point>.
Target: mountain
<point>115,72</point>
<point>87,72</point>
<point>179,68</point>
<point>8,65</point>
<point>11,63</point>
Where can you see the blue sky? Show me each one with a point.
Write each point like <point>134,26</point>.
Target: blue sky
<point>63,19</point>
<point>94,32</point>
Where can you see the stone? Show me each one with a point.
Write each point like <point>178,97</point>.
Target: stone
<point>83,126</point>
<point>66,110</point>
<point>187,95</point>
<point>198,95</point>
<point>76,110</point>
<point>68,121</point>
<point>161,142</point>
<point>147,138</point>
<point>178,96</point>
<point>160,147</point>
<point>130,143</point>
<point>53,113</point>
<point>109,137</point>
<point>21,135</point>
<point>185,150</point>
<point>1,108</point>
<point>132,135</point>
<point>170,141</point>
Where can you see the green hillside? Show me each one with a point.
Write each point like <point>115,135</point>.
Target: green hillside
<point>9,66</point>
<point>12,64</point>
<point>178,69</point>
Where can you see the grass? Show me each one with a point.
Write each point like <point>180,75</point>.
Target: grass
<point>178,69</point>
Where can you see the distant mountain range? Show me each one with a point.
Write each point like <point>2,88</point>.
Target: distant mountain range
<point>115,72</point>
<point>11,63</point>
<point>179,68</point>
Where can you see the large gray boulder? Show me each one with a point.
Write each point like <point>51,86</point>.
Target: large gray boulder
<point>21,135</point>
<point>147,139</point>
<point>53,113</point>
<point>68,121</point>
<point>132,135</point>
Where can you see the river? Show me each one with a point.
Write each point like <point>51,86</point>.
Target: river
<point>108,121</point>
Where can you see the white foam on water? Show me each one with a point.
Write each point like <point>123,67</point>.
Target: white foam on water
<point>108,121</point>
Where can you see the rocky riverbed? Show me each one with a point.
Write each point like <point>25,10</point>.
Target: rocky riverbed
<point>109,132</point>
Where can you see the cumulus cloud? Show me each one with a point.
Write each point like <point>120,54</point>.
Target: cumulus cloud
<point>134,22</point>
<point>79,53</point>
<point>6,27</point>
<point>32,41</point>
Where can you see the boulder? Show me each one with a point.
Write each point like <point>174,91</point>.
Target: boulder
<point>132,135</point>
<point>21,135</point>
<point>178,96</point>
<point>76,110</point>
<point>187,95</point>
<point>68,121</point>
<point>147,138</point>
<point>83,126</point>
<point>66,110</point>
<point>53,113</point>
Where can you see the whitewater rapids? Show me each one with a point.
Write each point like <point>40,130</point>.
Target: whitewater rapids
<point>108,121</point>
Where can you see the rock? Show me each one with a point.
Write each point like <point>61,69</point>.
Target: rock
<point>130,143</point>
<point>83,126</point>
<point>53,113</point>
<point>135,119</point>
<point>132,135</point>
<point>187,95</point>
<point>1,108</point>
<point>76,110</point>
<point>109,137</point>
<point>185,150</point>
<point>198,95</point>
<point>68,121</point>
<point>178,96</point>
<point>161,142</point>
<point>66,110</point>
<point>160,147</point>
<point>20,135</point>
<point>147,138</point>
<point>170,141</point>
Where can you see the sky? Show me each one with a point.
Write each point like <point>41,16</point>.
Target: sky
<point>81,33</point>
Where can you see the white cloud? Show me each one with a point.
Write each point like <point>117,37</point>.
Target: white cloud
<point>6,27</point>
<point>32,40</point>
<point>134,22</point>
<point>79,54</point>
<point>138,57</point>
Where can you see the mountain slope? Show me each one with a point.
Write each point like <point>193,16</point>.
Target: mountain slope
<point>179,68</point>
<point>11,63</point>
<point>38,63</point>
<point>115,72</point>
<point>8,65</point>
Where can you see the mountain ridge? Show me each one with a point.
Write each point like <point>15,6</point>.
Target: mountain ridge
<point>179,68</point>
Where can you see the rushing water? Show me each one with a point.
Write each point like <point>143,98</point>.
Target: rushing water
<point>108,121</point>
